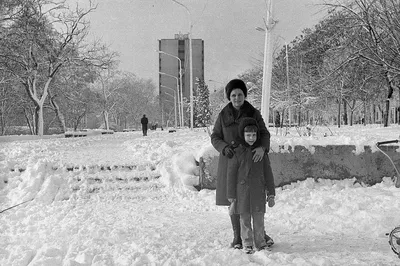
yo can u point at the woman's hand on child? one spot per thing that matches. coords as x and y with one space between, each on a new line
271 201
258 154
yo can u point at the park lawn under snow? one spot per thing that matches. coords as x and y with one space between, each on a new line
125 199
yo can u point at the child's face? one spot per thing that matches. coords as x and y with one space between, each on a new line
250 137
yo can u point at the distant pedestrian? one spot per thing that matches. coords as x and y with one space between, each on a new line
144 122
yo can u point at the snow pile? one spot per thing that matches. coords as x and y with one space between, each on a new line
37 182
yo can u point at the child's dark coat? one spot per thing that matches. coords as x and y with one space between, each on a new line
249 182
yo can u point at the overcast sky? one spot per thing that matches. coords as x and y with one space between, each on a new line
231 43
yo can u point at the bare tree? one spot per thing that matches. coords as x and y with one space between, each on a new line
378 40
40 39
7 103
137 97
107 85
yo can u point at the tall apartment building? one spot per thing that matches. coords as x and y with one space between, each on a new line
169 64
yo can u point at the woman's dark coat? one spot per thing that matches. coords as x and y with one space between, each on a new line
247 181
225 131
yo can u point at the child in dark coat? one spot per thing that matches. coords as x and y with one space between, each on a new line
250 186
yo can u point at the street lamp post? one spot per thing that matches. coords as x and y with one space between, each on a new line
180 109
168 75
267 73
176 118
167 101
190 62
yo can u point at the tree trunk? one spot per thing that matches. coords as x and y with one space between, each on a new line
30 87
59 114
78 121
373 114
386 113
106 124
391 88
299 117
398 109
29 122
339 113
352 109
2 125
39 119
3 119
365 112
351 117
345 118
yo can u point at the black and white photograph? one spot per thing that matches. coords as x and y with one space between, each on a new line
199 132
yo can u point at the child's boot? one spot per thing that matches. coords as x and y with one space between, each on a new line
248 249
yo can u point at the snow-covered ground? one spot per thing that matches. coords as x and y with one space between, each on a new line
125 199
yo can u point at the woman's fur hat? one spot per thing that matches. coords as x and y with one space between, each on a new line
235 84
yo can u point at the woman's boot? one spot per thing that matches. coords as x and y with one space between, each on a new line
237 240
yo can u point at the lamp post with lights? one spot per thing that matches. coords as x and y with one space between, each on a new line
267 68
180 108
175 103
168 75
190 61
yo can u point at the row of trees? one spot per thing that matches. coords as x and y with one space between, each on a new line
51 76
349 63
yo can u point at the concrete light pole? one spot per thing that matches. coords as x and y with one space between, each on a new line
162 95
267 73
168 75
180 109
190 62
174 96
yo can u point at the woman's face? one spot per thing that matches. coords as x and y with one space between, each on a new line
237 98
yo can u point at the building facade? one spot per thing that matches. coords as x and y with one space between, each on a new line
174 55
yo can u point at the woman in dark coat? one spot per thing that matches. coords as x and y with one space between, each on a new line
224 137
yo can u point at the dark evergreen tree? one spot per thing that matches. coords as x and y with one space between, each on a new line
201 110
